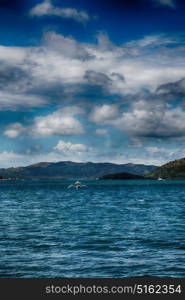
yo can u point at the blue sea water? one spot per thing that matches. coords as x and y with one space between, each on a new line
109 229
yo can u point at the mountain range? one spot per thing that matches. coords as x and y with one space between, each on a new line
74 170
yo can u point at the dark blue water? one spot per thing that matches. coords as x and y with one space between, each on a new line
110 229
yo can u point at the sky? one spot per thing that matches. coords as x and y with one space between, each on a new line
100 81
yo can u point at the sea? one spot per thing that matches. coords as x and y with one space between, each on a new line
130 228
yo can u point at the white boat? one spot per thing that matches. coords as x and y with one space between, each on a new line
160 178
77 185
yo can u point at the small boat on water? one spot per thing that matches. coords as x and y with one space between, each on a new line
77 185
160 178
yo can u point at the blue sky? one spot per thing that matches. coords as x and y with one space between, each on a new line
92 81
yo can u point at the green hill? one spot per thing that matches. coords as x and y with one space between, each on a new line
172 170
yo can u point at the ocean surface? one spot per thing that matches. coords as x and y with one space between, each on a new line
109 229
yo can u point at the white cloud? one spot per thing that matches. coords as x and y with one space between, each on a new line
66 60
152 120
14 130
166 153
104 113
19 101
72 110
101 131
67 147
10 159
66 151
161 150
65 46
59 123
13 55
46 8
14 159
104 43
150 42
63 65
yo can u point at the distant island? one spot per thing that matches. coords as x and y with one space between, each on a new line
73 170
121 176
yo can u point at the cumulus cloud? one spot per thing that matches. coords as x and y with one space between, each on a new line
157 150
104 43
57 123
152 120
11 76
62 68
13 55
65 46
46 8
118 76
60 123
101 131
62 151
176 88
67 147
104 113
97 78
14 130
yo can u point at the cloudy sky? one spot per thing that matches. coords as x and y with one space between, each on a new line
100 80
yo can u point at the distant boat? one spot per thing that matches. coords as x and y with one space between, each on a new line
77 185
160 178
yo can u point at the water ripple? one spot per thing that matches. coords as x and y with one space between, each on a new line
110 229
